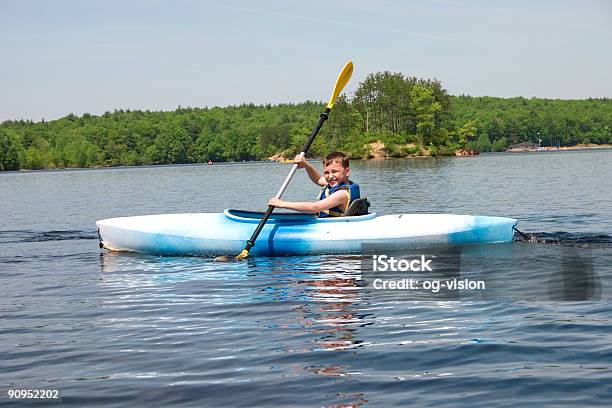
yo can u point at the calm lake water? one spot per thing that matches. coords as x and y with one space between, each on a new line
114 329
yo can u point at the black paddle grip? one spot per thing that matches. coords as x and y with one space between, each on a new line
324 116
251 242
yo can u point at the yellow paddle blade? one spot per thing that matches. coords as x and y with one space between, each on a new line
341 82
243 255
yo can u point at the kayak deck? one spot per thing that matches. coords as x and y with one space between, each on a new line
225 233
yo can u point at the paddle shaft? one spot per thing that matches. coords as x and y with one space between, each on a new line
251 242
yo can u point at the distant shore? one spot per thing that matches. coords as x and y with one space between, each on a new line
281 159
378 151
579 146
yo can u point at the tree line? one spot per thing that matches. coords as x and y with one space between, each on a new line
408 115
502 122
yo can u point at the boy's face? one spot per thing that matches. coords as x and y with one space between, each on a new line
335 174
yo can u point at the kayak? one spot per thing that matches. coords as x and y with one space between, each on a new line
211 234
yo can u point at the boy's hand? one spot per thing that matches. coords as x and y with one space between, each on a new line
276 202
300 160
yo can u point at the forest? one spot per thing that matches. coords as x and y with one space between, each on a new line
407 115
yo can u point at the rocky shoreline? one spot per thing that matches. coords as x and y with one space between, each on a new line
379 151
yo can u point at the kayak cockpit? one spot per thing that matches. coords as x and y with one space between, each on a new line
289 217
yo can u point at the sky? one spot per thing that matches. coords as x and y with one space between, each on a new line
60 57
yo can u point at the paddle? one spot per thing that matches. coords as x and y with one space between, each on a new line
342 80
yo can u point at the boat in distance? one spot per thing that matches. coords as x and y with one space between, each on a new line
212 234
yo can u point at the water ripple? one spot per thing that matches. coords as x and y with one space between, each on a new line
113 330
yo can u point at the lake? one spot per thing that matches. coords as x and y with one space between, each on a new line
117 329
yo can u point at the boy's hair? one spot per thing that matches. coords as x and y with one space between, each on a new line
337 157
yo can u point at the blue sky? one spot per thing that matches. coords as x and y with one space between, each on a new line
59 57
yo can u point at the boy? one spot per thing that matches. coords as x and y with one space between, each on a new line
338 191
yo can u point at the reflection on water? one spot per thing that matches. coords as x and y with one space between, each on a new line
330 293
312 316
325 294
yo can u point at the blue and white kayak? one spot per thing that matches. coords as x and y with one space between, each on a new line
211 234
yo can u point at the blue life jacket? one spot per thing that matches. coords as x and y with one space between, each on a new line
353 193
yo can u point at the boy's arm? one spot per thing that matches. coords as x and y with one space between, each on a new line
338 198
313 173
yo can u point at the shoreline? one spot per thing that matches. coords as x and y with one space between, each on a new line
377 152
281 159
579 146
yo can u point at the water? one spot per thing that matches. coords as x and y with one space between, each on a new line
127 330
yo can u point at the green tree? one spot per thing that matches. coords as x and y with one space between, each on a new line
426 108
34 159
466 132
173 145
499 145
483 144
9 153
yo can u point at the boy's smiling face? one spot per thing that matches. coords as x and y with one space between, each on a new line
335 174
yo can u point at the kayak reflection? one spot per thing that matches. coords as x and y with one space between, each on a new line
309 278
322 293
